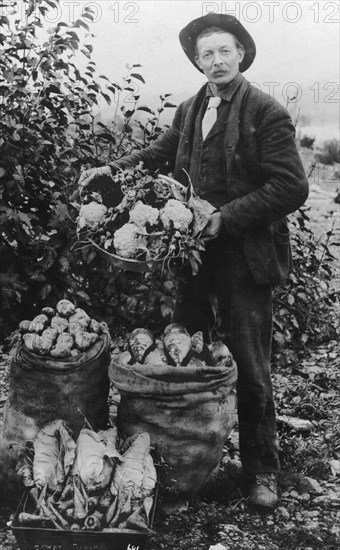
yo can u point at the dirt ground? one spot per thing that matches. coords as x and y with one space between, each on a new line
308 515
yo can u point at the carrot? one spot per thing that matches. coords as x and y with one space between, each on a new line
79 503
31 519
147 504
42 498
59 517
67 492
110 512
51 516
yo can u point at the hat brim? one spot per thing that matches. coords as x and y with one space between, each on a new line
229 23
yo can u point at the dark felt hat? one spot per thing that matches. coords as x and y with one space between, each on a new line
229 23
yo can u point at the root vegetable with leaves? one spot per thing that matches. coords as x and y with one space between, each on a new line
96 483
174 348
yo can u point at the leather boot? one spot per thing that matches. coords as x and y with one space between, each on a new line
263 493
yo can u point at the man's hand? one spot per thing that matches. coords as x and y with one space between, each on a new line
213 228
88 175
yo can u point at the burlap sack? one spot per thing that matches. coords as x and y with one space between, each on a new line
43 389
188 412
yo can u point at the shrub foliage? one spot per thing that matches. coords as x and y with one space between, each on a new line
48 133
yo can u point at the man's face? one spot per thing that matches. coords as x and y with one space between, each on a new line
218 57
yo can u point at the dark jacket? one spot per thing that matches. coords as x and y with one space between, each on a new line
264 174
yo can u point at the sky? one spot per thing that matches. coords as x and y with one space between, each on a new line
297 47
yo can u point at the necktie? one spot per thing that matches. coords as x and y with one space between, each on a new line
210 116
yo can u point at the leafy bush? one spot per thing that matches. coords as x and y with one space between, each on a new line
330 153
307 142
47 134
301 307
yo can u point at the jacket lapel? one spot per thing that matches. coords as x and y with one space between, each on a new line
187 137
190 119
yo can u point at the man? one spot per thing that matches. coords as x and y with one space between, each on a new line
237 144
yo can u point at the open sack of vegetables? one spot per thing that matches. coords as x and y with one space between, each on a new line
59 369
183 393
98 482
157 221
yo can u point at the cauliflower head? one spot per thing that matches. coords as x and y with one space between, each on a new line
91 215
178 213
126 240
142 213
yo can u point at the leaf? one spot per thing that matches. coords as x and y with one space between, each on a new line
107 98
59 215
107 136
87 148
24 218
80 23
138 77
168 104
146 109
45 291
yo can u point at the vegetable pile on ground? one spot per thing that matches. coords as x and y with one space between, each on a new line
174 348
98 482
62 332
157 219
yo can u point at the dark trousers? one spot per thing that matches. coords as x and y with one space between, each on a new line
245 310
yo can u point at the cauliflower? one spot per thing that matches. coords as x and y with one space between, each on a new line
143 213
178 213
91 215
126 240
